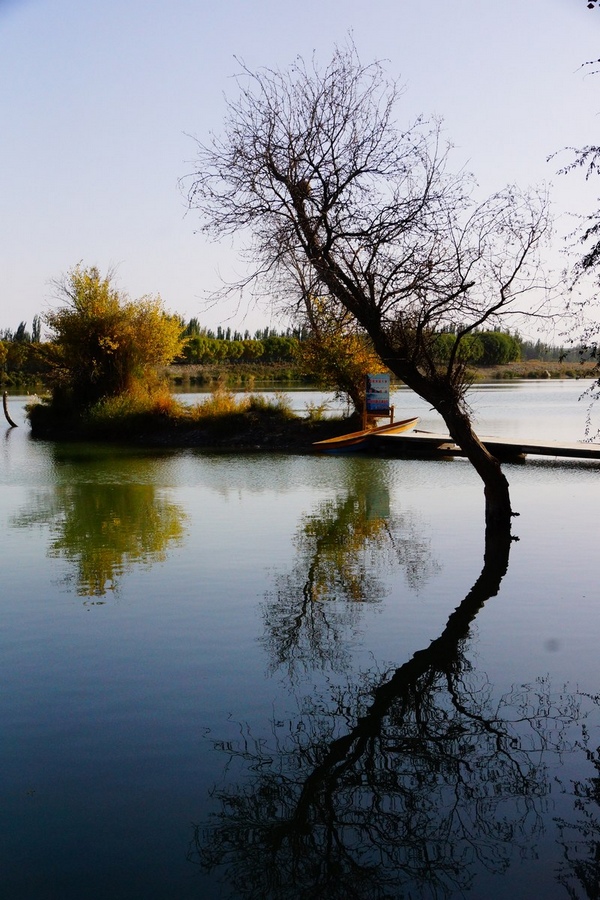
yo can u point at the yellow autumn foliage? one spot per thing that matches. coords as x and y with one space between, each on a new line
102 342
338 355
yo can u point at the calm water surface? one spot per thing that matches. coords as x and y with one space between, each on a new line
235 676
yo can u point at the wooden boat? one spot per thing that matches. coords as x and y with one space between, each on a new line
359 440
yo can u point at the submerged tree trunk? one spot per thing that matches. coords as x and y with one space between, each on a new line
6 413
498 510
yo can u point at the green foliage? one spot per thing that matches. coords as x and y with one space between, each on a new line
103 343
205 350
316 412
36 330
499 348
485 348
470 348
205 347
20 358
142 401
253 350
222 403
279 349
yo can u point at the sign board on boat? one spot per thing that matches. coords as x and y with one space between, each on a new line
378 394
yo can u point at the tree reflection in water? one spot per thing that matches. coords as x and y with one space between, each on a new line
342 548
580 838
400 784
104 528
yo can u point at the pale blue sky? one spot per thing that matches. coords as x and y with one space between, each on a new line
99 98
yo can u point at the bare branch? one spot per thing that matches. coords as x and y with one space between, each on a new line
315 170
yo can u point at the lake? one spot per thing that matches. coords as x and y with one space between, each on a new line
242 675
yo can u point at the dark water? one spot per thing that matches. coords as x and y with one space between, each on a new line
243 676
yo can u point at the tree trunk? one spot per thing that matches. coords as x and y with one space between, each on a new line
498 510
447 400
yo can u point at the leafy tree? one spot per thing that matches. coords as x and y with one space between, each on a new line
498 348
470 349
22 336
103 343
252 349
18 355
36 330
278 349
342 203
235 349
193 329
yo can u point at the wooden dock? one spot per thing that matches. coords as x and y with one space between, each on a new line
426 443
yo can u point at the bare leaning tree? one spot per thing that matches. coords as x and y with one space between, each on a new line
344 205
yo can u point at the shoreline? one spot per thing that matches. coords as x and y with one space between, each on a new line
236 376
278 376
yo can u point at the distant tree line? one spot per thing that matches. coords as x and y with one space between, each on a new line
205 346
493 348
19 352
22 357
484 348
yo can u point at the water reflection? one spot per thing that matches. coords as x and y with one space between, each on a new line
404 781
104 525
579 872
343 548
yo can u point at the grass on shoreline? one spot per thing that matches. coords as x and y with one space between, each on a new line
535 368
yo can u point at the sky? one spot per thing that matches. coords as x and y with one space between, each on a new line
101 100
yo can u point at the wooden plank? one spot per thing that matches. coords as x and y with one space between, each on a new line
442 444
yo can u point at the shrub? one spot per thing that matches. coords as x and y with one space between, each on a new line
220 403
280 405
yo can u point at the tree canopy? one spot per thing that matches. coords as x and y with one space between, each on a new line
343 203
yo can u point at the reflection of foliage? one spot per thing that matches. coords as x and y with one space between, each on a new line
398 786
581 839
340 548
104 529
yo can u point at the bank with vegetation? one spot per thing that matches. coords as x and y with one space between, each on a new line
104 366
112 368
226 358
